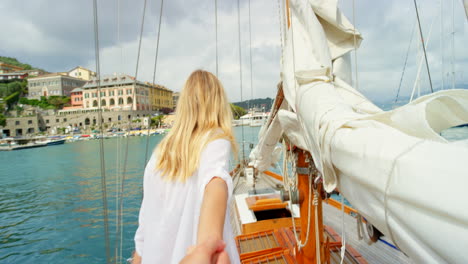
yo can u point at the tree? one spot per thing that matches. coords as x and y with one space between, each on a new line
237 111
155 121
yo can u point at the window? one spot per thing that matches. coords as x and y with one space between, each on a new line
64 120
57 120
103 102
17 122
120 92
103 94
95 103
121 101
29 122
129 100
47 121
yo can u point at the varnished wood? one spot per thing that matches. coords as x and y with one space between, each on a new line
348 210
269 224
274 175
307 255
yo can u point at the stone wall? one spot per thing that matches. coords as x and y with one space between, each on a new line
85 122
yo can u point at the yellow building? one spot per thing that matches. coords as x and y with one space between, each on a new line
121 92
82 73
6 68
160 97
175 99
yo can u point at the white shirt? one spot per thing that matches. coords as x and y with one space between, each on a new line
170 211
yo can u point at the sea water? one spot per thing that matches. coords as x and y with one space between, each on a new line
51 207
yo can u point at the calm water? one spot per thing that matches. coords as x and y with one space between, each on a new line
51 201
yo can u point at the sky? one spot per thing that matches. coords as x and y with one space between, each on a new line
58 35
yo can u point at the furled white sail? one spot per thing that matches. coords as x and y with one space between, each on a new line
465 3
392 166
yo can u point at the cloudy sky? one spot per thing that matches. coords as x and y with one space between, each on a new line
57 35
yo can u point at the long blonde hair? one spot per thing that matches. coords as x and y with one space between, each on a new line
203 114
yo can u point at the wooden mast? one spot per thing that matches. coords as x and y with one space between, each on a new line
307 254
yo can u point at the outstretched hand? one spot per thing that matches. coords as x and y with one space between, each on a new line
211 251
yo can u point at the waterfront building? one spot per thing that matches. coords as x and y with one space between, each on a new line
76 99
30 123
82 73
33 72
122 92
175 99
7 68
13 76
53 84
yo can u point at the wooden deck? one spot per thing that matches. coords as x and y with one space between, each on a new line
378 252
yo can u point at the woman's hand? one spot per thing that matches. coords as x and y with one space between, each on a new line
136 259
211 251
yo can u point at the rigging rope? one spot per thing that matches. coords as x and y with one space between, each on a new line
216 34
120 209
251 71
281 30
101 141
423 46
117 174
154 75
240 70
404 65
355 48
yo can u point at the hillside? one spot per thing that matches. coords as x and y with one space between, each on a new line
15 62
257 103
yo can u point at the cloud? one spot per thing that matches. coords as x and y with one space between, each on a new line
58 35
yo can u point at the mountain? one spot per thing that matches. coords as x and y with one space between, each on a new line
260 103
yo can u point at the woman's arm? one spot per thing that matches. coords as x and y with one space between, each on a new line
213 210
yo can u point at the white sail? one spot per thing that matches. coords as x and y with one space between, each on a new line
393 167
465 3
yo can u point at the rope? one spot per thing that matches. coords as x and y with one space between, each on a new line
154 76
101 141
281 29
387 185
355 48
117 174
124 171
240 70
423 46
317 231
404 65
216 34
343 234
251 68
301 244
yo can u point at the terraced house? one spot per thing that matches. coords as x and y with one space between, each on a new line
53 84
122 92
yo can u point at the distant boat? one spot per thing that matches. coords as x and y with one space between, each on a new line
52 142
252 119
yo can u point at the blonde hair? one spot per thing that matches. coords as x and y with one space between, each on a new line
203 114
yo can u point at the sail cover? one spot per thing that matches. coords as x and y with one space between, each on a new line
393 167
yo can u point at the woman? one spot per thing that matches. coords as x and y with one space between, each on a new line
187 186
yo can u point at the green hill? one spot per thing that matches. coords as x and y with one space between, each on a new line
256 103
15 62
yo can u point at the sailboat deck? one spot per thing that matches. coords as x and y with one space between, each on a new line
378 252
